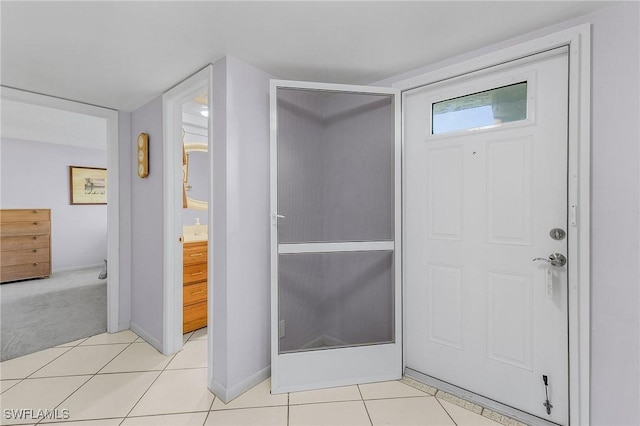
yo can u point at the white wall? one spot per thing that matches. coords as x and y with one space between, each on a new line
147 257
36 175
615 206
240 321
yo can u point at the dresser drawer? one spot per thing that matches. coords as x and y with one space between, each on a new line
20 257
194 317
194 273
20 272
35 227
24 242
194 253
193 293
22 215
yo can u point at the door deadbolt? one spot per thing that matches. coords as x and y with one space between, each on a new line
557 234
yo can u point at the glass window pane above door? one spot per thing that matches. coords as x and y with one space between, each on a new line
497 106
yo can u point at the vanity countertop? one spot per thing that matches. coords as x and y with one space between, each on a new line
190 235
192 238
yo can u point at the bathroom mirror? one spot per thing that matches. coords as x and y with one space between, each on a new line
195 176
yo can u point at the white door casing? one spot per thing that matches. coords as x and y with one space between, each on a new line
479 206
296 367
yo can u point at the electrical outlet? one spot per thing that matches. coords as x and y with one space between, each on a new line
281 329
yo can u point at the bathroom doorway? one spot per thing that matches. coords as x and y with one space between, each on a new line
187 187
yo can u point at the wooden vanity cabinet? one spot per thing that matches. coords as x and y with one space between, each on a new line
194 290
25 244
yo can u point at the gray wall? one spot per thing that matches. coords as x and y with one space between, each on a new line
36 175
615 206
147 226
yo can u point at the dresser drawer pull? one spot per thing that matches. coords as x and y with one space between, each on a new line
196 254
35 238
35 211
35 223
197 292
35 250
197 273
36 264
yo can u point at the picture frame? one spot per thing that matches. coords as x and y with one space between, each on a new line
87 185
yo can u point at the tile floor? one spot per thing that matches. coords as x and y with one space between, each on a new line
118 379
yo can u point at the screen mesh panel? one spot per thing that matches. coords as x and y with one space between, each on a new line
335 166
329 300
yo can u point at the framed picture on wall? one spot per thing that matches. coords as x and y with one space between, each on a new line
88 185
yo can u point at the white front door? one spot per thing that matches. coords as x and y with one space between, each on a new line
485 195
335 253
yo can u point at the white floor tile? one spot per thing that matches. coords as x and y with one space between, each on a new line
7 384
81 360
267 416
392 389
258 396
71 344
137 357
94 422
126 336
176 391
332 413
192 355
344 393
39 394
187 419
408 411
464 417
186 337
108 395
24 366
199 334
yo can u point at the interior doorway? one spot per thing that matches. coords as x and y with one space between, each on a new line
188 170
115 321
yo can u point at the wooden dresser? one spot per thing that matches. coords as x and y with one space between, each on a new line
25 244
194 291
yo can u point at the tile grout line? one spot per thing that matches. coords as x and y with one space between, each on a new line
68 349
288 406
214 396
365 404
152 383
86 381
445 410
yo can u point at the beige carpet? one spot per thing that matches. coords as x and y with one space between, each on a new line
42 313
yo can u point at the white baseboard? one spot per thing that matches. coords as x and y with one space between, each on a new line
229 394
146 336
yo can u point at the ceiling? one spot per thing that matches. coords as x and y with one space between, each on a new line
123 54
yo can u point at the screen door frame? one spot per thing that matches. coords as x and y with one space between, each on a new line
298 371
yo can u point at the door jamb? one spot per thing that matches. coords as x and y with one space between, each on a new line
113 206
578 40
172 101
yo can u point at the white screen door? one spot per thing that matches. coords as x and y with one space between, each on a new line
485 195
335 235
